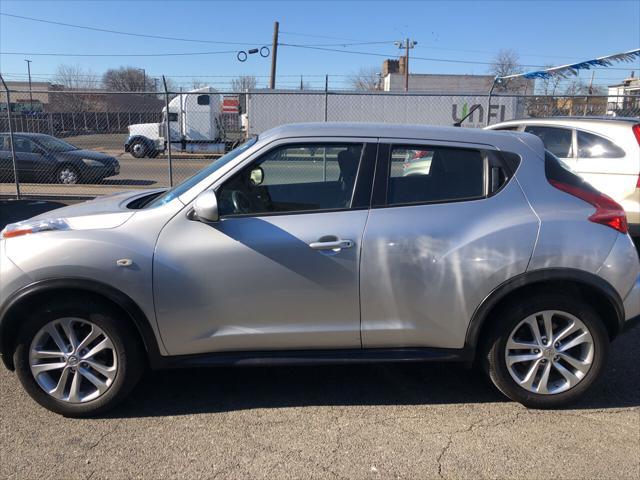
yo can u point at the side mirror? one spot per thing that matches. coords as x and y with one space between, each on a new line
205 206
257 176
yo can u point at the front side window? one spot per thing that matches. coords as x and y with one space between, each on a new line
594 146
53 144
434 174
294 178
557 140
24 145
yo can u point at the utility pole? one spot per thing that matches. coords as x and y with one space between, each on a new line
274 55
407 44
30 90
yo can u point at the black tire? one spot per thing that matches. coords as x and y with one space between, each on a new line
509 317
139 149
130 355
67 175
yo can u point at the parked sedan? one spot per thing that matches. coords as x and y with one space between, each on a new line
494 254
43 158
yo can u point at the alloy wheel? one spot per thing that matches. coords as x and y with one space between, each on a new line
73 360
67 176
549 352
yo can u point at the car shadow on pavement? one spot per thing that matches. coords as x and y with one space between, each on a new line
193 391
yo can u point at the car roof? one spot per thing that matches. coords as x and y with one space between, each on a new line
385 130
570 121
27 134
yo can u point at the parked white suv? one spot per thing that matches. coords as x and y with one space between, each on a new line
605 151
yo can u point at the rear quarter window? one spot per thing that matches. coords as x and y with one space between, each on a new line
591 145
557 172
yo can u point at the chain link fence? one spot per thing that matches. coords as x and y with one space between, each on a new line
85 144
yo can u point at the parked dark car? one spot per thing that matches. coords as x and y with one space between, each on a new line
43 158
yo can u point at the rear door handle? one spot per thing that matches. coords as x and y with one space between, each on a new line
333 245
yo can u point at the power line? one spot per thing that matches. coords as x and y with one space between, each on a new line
178 54
119 32
470 62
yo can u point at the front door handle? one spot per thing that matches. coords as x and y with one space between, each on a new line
332 245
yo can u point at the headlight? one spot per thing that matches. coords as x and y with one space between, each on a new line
92 163
33 226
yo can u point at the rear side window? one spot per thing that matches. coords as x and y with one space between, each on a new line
557 140
435 174
557 172
595 146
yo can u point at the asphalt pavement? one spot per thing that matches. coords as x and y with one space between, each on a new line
348 422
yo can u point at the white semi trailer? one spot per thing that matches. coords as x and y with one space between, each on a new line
195 126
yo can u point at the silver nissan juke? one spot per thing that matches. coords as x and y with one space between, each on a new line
311 244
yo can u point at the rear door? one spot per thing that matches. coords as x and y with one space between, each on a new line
558 140
605 164
441 234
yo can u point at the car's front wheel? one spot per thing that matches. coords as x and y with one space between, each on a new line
547 351
139 149
78 359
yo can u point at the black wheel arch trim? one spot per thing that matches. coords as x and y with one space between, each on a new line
481 314
122 300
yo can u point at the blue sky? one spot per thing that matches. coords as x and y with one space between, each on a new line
542 32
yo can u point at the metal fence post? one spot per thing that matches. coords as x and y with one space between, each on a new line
168 131
13 148
326 96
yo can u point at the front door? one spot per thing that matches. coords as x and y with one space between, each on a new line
280 269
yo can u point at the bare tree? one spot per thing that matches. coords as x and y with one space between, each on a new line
505 63
196 84
366 78
74 77
67 79
128 79
244 83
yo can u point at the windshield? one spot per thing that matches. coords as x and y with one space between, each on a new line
202 174
52 144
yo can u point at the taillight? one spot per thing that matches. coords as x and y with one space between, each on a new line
636 131
608 211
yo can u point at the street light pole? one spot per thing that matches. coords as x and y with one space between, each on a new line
30 90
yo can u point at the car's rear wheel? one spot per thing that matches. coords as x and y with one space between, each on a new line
78 359
67 175
546 352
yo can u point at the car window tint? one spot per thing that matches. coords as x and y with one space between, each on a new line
301 177
23 145
594 146
440 174
557 140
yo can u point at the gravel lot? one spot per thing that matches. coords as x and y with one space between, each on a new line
377 421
